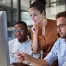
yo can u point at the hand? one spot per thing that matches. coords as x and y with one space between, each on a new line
20 57
23 57
34 29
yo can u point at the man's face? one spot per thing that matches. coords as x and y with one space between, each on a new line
61 27
21 32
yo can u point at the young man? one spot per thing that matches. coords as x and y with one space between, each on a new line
59 49
21 43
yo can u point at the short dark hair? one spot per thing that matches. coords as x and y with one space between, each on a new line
61 14
40 5
21 22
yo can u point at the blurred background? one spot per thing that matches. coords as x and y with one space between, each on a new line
19 10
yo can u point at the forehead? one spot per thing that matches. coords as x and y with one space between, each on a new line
61 20
33 10
19 26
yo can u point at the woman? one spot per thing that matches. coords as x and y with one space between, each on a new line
43 32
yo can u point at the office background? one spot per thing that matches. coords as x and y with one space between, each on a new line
19 10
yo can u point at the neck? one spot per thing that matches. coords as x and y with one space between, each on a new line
23 40
44 22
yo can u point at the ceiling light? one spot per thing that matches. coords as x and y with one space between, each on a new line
3 1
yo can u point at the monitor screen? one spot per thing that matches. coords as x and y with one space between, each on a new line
4 53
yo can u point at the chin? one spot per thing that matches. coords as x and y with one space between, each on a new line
63 37
20 39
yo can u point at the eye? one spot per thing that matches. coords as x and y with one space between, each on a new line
34 15
21 30
16 31
61 25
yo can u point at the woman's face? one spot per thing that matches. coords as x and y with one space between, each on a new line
36 15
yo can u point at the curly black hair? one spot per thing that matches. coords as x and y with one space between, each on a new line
21 22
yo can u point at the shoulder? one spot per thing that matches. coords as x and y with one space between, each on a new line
50 21
64 64
12 41
57 43
60 40
29 40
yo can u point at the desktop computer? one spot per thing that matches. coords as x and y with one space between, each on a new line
4 53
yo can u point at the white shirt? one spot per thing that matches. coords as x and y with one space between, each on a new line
64 63
16 46
57 52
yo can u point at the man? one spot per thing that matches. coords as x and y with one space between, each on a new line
21 43
59 49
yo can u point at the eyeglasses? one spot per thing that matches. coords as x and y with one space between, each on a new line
61 25
21 30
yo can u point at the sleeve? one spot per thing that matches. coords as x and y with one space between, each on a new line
53 54
11 59
9 45
36 55
42 42
64 64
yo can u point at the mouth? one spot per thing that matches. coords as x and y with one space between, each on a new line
19 37
34 21
60 34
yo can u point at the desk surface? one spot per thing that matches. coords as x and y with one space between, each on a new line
21 64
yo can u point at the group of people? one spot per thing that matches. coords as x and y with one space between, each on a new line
45 35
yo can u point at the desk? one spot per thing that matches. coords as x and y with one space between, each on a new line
20 64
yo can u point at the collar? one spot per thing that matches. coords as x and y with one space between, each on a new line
26 41
63 40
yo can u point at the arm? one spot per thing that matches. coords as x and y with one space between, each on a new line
42 42
39 62
34 35
35 44
34 61
38 40
53 54
48 60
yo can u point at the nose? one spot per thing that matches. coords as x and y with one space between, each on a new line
18 33
58 29
33 18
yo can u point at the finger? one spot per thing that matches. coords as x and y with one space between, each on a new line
20 58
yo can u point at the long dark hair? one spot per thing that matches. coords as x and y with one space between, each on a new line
40 5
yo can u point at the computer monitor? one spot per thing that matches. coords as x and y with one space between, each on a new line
4 53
